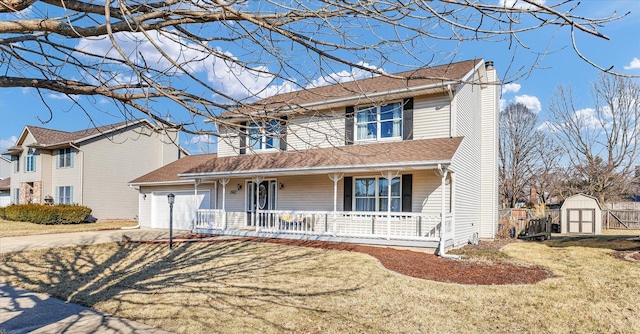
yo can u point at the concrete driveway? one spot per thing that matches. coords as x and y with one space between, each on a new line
23 311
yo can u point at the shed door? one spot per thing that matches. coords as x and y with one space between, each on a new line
581 220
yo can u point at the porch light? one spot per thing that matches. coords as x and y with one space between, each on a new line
172 198
239 186
281 185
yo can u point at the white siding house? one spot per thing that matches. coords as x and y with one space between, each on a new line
318 163
89 167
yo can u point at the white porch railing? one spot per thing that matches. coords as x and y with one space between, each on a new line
354 224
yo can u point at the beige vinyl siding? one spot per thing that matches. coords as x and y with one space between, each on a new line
426 195
110 163
66 176
489 156
321 129
466 163
144 207
47 163
431 117
228 142
309 193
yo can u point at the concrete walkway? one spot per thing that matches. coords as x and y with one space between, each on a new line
42 241
23 311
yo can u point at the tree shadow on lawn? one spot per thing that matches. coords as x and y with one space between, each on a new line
614 242
240 279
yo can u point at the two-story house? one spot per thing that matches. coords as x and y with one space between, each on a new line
405 159
89 167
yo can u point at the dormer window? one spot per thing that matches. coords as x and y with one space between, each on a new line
264 135
379 122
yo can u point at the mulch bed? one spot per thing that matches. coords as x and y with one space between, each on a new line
417 264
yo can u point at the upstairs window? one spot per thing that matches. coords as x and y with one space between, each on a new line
16 163
379 122
264 135
30 162
65 157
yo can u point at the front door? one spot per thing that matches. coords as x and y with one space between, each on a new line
265 200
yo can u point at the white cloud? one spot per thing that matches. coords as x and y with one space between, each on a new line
634 64
344 76
201 144
511 88
520 4
503 104
60 96
530 102
586 118
6 143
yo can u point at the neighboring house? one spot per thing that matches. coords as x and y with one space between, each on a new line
317 164
5 195
5 168
90 167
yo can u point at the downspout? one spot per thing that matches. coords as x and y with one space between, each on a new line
451 111
443 215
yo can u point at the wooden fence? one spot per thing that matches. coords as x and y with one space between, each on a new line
621 219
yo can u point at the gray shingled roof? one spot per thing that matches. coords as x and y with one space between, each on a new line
404 154
453 72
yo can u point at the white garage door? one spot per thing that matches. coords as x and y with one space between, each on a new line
184 209
5 200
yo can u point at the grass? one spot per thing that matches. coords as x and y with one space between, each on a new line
262 287
14 229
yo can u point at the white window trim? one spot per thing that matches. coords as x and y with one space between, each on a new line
377 196
378 137
264 134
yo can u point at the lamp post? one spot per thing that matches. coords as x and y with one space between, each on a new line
172 198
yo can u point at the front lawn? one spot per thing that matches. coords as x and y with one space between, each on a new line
263 287
14 229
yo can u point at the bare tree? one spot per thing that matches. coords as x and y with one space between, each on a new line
518 142
150 57
548 175
602 141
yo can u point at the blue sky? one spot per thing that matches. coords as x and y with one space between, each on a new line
561 66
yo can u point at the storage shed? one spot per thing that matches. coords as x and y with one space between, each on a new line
581 214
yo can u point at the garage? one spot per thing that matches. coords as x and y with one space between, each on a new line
184 208
581 214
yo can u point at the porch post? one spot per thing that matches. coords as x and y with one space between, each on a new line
389 176
335 177
443 217
224 183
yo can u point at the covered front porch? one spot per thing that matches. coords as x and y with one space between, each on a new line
412 207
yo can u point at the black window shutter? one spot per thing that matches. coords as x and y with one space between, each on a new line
243 138
283 133
348 194
407 119
407 190
348 126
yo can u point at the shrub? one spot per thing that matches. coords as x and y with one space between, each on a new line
46 214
